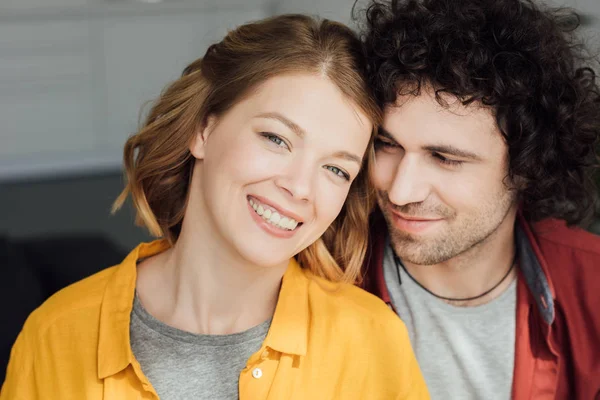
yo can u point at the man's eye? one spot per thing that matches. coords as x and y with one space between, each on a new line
384 144
338 172
447 161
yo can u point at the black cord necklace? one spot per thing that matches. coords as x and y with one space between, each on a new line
400 264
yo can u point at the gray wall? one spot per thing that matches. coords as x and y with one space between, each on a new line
82 203
66 206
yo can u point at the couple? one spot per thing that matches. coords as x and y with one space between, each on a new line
476 125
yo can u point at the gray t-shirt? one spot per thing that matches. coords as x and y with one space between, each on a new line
182 365
464 352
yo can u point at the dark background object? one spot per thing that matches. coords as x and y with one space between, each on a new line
33 269
68 205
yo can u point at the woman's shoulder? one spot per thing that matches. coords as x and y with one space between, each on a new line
83 300
72 302
350 303
60 337
363 324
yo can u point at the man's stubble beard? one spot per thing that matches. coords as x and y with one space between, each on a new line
457 236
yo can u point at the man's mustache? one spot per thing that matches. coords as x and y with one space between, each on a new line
416 210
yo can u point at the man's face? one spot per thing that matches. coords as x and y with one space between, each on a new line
441 178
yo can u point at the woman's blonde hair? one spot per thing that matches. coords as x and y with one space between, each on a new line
158 162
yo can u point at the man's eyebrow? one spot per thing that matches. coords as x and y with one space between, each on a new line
286 121
453 151
442 148
382 132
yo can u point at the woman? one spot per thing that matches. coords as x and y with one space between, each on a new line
249 166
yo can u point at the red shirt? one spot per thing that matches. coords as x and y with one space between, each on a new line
557 338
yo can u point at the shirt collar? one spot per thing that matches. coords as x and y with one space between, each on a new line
534 267
288 332
289 329
114 349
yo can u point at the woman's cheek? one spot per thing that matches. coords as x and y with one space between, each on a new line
330 199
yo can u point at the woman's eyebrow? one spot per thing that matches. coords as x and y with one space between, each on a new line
348 156
294 127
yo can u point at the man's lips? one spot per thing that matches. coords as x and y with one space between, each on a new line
411 224
415 219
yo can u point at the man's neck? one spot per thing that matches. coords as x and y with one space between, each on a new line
473 272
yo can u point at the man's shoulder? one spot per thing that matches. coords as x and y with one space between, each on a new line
571 256
555 235
572 259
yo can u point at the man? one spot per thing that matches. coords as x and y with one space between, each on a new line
483 167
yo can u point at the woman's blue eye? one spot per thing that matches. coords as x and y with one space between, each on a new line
338 172
275 139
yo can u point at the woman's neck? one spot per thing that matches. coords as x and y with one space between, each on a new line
200 285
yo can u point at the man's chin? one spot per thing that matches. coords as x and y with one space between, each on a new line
420 249
421 258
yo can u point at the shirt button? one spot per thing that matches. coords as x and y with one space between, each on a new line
257 373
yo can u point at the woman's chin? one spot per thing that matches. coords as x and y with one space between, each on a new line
265 256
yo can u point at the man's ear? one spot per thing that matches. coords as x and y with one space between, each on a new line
198 143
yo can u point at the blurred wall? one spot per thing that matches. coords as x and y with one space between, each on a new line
73 77
79 204
74 74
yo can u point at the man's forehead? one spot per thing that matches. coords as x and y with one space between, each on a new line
440 101
426 115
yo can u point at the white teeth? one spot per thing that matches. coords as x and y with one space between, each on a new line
284 222
275 218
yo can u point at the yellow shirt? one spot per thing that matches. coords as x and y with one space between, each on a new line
326 341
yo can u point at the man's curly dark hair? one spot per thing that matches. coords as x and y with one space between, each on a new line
522 60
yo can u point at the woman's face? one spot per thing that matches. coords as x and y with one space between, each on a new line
274 171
